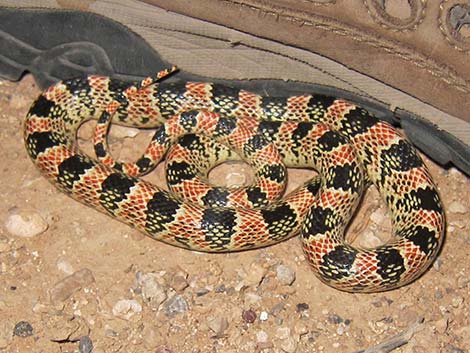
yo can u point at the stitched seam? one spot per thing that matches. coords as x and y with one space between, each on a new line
326 24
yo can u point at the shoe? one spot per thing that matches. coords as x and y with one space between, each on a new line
133 39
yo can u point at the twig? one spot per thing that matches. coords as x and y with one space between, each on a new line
396 341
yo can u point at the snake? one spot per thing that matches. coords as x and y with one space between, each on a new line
348 146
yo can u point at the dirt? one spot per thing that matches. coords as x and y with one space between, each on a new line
89 283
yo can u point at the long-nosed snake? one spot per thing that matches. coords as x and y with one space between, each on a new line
337 138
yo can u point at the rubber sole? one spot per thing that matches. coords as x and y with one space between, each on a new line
54 44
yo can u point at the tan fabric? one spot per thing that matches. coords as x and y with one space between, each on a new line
423 54
217 51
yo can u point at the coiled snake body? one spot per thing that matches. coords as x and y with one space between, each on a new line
340 140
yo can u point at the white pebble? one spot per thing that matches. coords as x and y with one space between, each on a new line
125 309
457 207
64 266
263 316
261 337
25 223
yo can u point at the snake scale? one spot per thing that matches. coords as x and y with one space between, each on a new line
346 145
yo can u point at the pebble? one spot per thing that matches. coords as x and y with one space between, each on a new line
457 302
249 316
301 307
457 207
334 319
64 266
63 289
285 275
341 329
261 337
263 316
25 223
176 305
85 345
126 308
23 329
217 324
179 282
152 291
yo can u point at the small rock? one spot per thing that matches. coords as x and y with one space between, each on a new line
285 275
202 292
249 316
261 337
218 325
179 282
64 266
220 288
437 264
176 305
25 223
463 282
457 301
23 329
263 316
301 307
457 207
85 345
334 319
63 289
126 308
276 309
152 291
341 329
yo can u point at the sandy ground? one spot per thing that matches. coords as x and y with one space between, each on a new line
89 283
